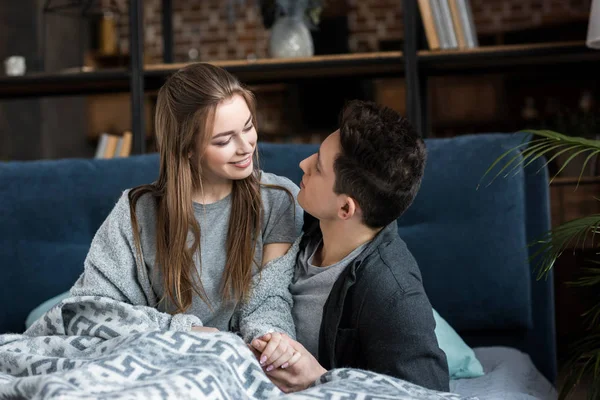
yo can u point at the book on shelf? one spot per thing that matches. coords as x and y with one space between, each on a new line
118 147
125 148
101 147
448 24
433 40
459 26
111 146
440 26
469 23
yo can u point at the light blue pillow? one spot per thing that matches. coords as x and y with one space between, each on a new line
462 362
43 308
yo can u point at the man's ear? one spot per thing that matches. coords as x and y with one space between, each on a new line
348 209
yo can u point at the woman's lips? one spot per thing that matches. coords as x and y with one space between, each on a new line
242 163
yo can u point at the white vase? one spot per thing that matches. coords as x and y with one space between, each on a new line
290 37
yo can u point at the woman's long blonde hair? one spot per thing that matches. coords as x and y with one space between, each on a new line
185 113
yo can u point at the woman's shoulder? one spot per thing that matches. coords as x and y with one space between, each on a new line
277 192
146 200
122 203
270 179
145 206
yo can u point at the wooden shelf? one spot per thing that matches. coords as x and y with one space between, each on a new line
251 72
64 84
509 57
359 65
276 69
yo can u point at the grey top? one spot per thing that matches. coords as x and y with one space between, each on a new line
310 289
111 270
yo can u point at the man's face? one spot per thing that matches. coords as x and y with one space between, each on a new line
316 189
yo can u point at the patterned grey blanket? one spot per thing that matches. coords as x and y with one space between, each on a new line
86 348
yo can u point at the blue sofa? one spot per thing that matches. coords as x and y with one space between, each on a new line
471 244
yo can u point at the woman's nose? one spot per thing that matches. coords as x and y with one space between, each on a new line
246 145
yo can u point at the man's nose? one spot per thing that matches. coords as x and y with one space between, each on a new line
304 165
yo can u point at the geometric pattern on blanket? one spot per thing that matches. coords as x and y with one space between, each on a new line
104 362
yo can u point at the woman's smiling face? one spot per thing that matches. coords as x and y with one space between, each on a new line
230 149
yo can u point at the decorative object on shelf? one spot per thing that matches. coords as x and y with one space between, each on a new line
107 40
290 38
529 111
14 66
290 34
193 54
593 35
580 233
107 10
270 10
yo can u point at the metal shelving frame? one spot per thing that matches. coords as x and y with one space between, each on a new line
415 65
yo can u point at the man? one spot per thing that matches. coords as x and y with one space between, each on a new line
358 296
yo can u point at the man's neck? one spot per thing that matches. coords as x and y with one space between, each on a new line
341 238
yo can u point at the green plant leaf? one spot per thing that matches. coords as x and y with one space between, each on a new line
585 363
571 234
547 142
580 232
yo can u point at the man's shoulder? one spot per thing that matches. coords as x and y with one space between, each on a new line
392 267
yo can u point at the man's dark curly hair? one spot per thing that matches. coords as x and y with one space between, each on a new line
381 161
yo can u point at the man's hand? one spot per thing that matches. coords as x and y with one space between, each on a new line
204 329
294 377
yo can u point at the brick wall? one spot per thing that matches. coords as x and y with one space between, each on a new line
371 21
499 16
219 32
209 27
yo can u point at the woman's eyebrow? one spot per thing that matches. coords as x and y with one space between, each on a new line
218 135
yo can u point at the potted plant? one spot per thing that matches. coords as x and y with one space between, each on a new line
580 232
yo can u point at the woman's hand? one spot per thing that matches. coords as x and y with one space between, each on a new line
295 377
276 351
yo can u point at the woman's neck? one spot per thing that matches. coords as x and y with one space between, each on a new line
212 192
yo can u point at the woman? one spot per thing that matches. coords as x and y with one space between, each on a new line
188 245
